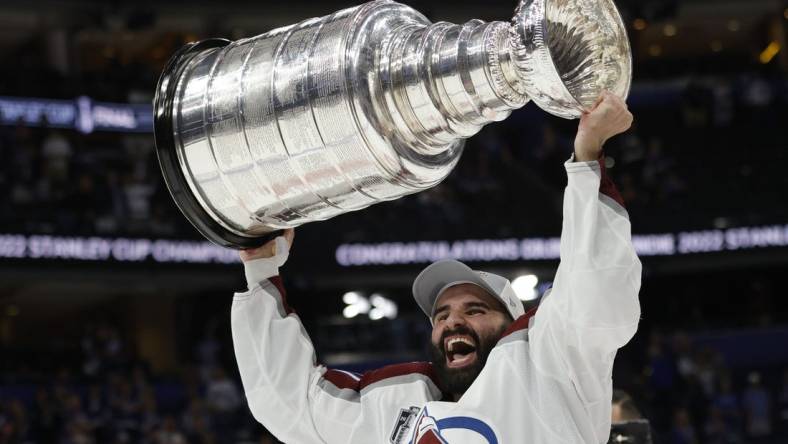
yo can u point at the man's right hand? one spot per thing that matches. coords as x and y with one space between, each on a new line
608 117
268 249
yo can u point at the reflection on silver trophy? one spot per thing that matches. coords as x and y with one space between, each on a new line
368 104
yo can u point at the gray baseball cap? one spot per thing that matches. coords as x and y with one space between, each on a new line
441 275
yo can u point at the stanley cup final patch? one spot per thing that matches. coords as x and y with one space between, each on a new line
403 425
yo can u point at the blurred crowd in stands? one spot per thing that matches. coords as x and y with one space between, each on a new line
65 183
692 395
110 396
713 153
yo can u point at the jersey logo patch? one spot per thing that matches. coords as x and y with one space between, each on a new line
428 430
403 425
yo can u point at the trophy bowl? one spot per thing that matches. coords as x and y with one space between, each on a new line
573 50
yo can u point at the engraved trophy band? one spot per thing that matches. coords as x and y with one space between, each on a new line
368 104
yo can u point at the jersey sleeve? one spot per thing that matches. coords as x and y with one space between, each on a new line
593 308
293 397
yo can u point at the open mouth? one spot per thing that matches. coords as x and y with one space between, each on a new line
460 351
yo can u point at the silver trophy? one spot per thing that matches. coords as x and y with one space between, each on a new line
365 105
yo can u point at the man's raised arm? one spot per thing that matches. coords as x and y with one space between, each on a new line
593 308
286 391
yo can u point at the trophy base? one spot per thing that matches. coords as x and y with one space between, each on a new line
168 158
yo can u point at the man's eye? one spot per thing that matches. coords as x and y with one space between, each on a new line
475 311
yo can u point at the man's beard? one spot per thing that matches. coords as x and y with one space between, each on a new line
457 380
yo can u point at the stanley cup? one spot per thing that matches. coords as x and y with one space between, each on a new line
365 105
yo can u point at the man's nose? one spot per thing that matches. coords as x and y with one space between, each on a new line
455 319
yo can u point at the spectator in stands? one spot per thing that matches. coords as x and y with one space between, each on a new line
139 381
91 356
149 415
757 408
782 405
628 424
56 152
13 422
683 432
662 376
717 430
222 393
684 355
46 421
138 192
224 399
624 408
22 169
96 409
125 407
726 401
77 422
196 417
207 350
169 433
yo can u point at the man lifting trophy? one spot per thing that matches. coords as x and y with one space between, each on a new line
365 105
333 114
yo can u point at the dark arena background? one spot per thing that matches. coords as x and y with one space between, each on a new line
114 312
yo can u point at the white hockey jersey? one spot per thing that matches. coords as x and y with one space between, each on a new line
547 381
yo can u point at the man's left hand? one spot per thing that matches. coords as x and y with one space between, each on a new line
608 117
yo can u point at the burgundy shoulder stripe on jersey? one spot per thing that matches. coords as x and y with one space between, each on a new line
279 284
342 380
392 371
520 324
606 185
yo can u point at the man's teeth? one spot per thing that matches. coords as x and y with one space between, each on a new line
450 344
